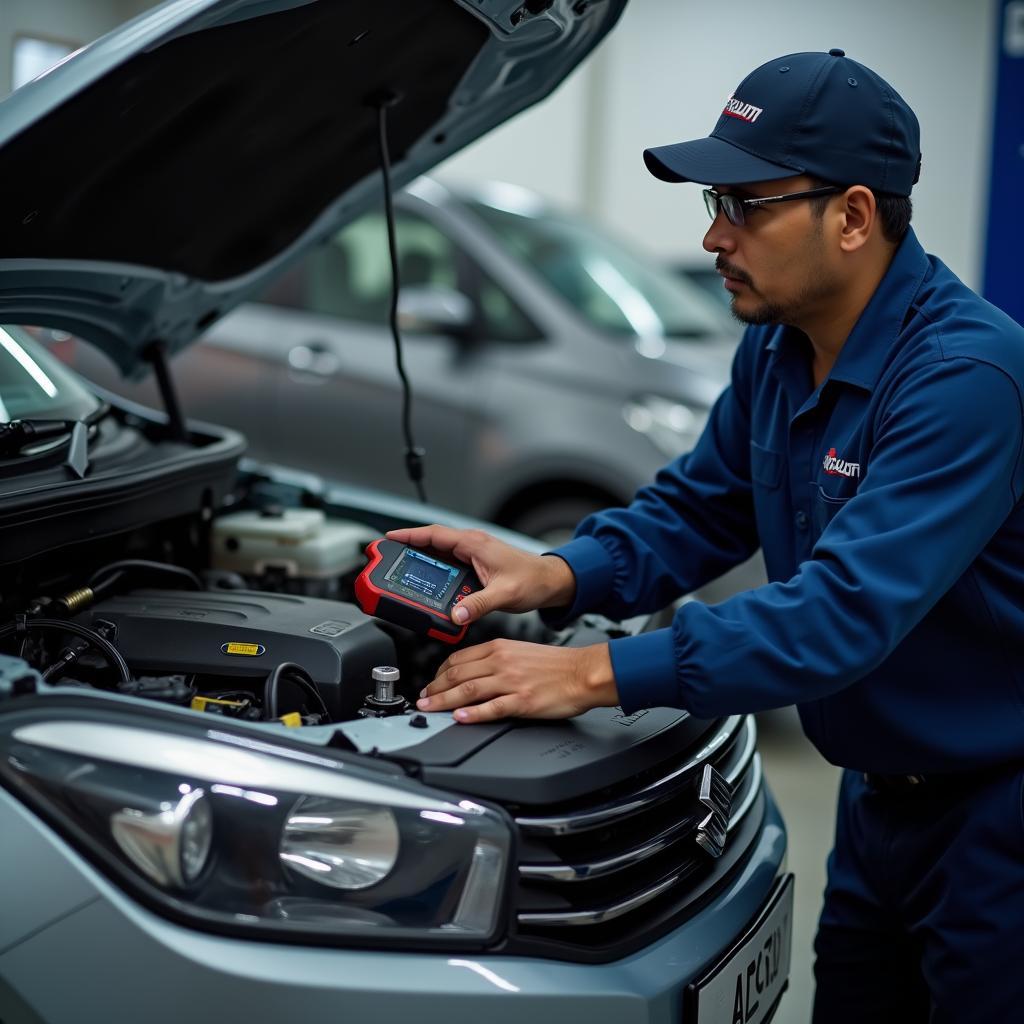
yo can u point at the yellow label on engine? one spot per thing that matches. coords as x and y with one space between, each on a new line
200 703
292 719
249 650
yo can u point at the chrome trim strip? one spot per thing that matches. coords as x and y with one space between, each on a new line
748 752
607 914
582 872
756 777
589 917
595 869
650 794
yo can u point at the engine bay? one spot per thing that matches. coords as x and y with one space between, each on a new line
194 582
249 615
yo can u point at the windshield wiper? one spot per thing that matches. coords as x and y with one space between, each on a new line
17 435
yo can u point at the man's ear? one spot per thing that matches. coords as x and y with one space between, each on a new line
859 217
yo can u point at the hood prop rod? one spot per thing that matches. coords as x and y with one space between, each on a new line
156 355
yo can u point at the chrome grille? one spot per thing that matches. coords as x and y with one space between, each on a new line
597 864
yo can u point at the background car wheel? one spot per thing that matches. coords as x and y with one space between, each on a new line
554 521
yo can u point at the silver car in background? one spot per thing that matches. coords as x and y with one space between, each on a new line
554 370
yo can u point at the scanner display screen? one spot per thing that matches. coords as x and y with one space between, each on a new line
422 578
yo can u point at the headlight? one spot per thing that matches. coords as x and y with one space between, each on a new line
236 832
672 427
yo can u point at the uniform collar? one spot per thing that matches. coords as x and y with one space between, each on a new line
863 354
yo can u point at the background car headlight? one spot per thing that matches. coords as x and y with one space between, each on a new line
672 427
239 832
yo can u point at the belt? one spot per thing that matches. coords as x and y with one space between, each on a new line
899 783
935 782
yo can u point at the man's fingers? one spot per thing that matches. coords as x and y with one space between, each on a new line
475 606
469 691
464 544
443 538
505 706
472 664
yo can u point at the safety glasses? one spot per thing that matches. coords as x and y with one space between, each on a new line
734 207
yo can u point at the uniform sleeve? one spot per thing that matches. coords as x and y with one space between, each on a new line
943 475
692 524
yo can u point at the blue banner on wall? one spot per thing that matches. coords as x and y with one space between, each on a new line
1004 267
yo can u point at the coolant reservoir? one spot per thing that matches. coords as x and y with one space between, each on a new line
295 549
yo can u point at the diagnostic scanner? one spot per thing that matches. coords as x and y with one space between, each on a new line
414 588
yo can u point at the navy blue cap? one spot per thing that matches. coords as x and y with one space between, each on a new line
808 113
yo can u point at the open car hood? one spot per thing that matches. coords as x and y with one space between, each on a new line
163 174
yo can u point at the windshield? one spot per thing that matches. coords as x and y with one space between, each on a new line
34 385
616 290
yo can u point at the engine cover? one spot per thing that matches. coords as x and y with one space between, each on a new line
245 633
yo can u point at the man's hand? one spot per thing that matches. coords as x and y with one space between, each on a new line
514 580
510 678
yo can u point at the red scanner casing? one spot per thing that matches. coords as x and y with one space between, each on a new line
376 595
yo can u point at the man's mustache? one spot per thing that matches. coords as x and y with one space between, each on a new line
725 267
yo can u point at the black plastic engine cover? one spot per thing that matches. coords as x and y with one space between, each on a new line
244 634
541 763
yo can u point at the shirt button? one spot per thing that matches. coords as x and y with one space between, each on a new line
801 520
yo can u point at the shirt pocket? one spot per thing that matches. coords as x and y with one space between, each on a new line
765 466
824 508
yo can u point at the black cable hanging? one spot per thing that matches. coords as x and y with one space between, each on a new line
413 455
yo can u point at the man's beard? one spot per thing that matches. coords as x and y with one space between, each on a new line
766 313
769 312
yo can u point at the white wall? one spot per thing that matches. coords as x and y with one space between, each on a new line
670 64
68 21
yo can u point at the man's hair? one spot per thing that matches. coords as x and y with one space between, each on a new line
894 212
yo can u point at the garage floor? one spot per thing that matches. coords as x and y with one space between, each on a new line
805 787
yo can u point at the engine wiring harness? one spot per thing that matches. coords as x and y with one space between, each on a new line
48 617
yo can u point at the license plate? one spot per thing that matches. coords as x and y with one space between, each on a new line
745 986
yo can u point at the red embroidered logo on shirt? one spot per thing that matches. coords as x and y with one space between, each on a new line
834 466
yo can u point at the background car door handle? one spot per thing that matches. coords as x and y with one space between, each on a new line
313 358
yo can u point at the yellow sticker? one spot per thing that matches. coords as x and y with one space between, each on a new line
200 703
249 650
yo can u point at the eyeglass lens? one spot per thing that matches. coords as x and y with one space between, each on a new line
729 203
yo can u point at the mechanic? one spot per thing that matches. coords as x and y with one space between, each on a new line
870 442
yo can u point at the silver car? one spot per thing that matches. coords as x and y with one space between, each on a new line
203 815
553 369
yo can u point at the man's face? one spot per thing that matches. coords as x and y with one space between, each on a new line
778 264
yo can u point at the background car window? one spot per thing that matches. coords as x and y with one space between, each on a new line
350 276
617 290
501 318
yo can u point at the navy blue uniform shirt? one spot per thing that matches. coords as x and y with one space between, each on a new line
887 505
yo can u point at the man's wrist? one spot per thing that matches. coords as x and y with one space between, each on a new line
599 677
559 587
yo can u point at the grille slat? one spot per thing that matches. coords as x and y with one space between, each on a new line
649 796
644 860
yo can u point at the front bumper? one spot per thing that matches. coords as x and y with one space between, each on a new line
75 950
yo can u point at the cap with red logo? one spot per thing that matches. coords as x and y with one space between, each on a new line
807 113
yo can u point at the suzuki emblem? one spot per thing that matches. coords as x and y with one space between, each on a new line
716 796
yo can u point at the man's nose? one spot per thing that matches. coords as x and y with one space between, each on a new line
720 237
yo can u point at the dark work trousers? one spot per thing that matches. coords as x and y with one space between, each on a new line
924 908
